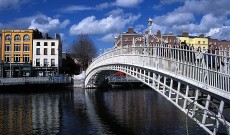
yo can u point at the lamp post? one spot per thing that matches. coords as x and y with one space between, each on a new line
150 22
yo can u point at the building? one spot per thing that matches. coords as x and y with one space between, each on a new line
47 56
17 51
0 55
129 38
224 44
162 39
68 65
132 38
195 41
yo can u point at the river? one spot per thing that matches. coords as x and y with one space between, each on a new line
75 111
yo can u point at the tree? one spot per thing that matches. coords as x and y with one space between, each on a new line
84 50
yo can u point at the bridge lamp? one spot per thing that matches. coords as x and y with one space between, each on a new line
150 22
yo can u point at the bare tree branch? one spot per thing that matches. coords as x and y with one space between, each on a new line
84 49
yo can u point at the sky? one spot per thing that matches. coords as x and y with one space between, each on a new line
101 20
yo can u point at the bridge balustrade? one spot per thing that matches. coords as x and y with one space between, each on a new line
211 70
204 77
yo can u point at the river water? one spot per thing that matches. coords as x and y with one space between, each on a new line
75 111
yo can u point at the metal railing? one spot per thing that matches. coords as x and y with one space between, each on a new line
211 69
35 80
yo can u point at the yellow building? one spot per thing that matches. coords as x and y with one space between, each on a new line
195 41
17 52
200 42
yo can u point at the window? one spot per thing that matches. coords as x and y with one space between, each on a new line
26 58
26 38
17 48
52 51
198 42
7 48
45 51
37 62
17 58
45 44
52 43
26 48
38 44
203 42
38 51
45 62
52 62
17 38
8 38
7 58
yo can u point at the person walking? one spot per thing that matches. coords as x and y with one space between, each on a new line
199 56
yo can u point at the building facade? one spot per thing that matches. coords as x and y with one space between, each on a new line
16 53
195 41
47 56
0 55
129 38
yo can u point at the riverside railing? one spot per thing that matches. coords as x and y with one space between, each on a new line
36 80
211 69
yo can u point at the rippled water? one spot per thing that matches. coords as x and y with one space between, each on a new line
78 111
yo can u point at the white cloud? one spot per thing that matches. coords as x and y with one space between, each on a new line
46 24
108 37
74 8
110 24
127 3
103 6
219 33
196 17
115 12
11 4
119 3
172 19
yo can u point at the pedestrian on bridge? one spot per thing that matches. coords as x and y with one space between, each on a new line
199 56
211 58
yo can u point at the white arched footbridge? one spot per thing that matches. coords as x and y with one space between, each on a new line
196 87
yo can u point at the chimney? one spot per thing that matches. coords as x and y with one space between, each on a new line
46 35
130 30
185 34
158 33
201 35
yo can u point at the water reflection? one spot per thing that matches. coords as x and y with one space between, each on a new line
79 111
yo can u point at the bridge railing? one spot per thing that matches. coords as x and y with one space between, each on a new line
35 80
211 68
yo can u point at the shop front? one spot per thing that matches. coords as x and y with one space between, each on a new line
16 70
44 71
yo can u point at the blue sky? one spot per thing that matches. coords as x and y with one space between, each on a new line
102 19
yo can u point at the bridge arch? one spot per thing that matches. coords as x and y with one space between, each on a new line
160 72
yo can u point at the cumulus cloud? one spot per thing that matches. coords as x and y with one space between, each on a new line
172 18
202 16
46 24
219 33
11 4
110 24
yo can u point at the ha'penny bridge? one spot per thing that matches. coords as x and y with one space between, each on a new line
200 89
